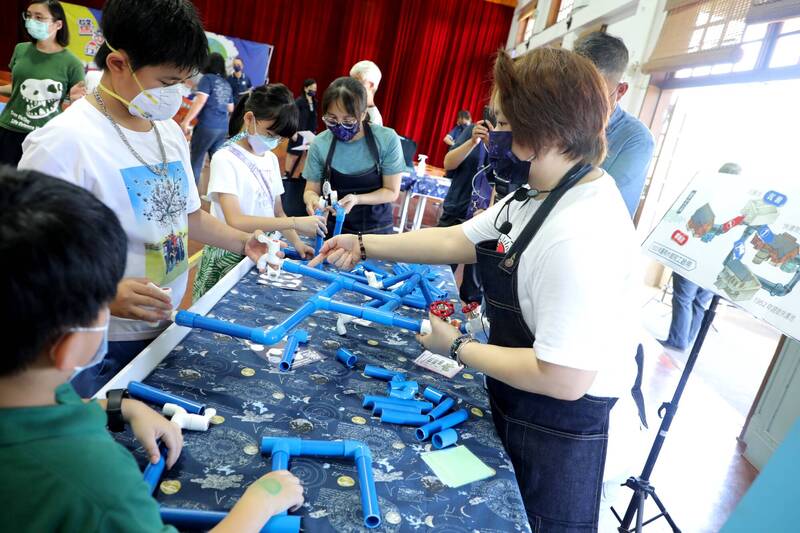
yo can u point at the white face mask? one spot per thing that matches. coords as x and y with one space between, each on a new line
262 144
160 103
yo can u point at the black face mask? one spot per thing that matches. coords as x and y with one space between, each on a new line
312 94
508 173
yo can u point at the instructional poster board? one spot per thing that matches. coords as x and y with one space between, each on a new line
86 38
738 236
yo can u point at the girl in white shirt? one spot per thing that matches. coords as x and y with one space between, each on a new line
245 185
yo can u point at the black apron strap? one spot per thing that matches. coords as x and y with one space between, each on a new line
326 174
575 174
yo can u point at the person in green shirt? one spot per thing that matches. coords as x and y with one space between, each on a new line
61 470
43 75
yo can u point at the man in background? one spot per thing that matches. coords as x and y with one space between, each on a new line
463 120
630 143
369 75
239 81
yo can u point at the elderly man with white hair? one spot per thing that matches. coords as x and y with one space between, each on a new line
369 75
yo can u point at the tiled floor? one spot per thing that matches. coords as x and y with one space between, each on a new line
700 475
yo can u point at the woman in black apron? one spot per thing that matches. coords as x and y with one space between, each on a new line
366 195
555 432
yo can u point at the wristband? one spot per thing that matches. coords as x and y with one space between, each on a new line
116 423
361 246
457 344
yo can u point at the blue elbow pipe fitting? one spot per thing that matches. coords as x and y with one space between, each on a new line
444 438
379 372
196 519
440 410
346 357
433 395
152 395
371 401
404 418
436 426
350 449
298 337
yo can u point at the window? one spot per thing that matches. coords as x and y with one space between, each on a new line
787 46
565 10
527 33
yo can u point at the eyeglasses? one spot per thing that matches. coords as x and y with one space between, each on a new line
331 122
27 16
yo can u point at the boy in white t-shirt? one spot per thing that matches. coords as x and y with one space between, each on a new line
121 144
246 185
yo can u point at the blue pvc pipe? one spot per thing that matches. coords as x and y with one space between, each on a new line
276 333
444 438
436 426
290 253
319 238
152 395
350 449
440 410
340 214
347 282
193 320
393 280
426 291
433 395
375 371
195 519
290 349
153 472
379 406
403 418
346 357
383 318
370 401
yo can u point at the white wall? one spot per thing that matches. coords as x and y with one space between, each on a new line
637 22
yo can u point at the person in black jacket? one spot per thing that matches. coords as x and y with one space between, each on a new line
307 105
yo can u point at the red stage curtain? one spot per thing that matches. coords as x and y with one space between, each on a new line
435 55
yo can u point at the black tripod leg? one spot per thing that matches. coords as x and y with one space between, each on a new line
665 514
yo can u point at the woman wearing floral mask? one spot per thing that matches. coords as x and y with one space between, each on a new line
43 75
360 161
245 185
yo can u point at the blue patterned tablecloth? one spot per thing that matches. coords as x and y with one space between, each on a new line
323 401
427 185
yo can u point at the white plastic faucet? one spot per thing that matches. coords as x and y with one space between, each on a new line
186 420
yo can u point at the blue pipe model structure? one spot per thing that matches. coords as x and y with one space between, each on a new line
152 395
299 336
451 420
283 449
196 519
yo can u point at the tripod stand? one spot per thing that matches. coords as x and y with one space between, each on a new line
641 485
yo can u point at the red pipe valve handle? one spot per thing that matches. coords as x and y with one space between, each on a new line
470 310
443 309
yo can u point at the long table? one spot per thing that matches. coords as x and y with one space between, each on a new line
320 401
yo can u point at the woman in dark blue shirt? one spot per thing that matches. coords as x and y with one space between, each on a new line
213 102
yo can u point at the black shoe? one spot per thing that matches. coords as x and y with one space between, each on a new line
669 346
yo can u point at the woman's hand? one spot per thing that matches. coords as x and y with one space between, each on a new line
349 202
311 225
305 251
149 427
138 299
481 132
341 251
441 336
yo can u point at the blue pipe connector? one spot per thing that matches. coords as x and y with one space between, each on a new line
152 395
433 395
444 438
346 357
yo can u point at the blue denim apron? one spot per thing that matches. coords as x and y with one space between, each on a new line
362 218
557 447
